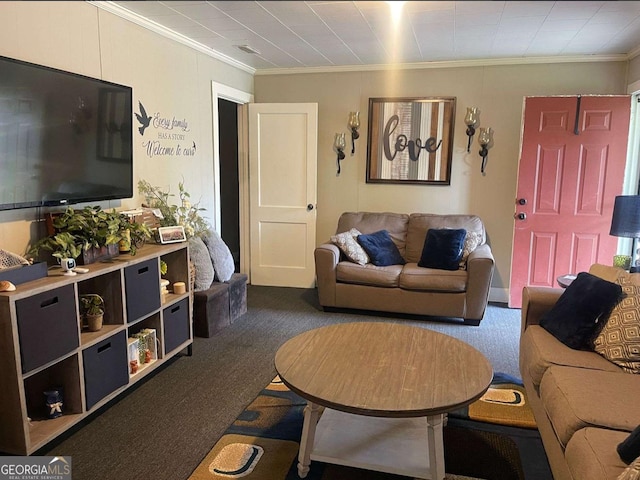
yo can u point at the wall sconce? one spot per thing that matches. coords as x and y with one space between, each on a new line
485 139
339 144
471 120
354 124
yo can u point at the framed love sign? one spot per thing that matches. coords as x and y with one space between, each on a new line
410 140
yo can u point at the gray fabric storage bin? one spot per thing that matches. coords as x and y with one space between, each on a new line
176 324
50 315
142 287
106 367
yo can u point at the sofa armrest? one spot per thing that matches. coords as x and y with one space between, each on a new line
536 301
480 265
327 257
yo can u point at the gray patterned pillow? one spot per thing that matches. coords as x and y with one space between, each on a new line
346 242
220 255
199 255
471 242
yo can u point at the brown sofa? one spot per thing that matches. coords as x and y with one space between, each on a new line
406 288
584 405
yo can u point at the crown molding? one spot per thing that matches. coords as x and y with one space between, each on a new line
161 30
165 32
487 62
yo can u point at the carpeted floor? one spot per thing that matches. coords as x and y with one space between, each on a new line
165 425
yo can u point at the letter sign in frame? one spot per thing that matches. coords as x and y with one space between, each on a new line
410 140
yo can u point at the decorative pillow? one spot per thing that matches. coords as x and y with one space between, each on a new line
199 255
619 339
629 448
574 318
381 249
471 242
220 256
632 472
346 242
442 248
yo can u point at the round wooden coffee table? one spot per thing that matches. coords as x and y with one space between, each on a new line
386 387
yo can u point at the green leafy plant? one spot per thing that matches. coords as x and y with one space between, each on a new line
91 304
78 230
62 245
185 214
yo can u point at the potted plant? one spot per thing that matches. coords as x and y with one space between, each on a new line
92 234
63 245
92 310
132 235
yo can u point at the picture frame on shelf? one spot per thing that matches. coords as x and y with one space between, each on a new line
171 234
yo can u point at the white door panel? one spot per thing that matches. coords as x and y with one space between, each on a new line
282 177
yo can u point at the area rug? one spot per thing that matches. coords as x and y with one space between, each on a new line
263 442
504 403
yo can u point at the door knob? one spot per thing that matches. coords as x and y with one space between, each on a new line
522 201
521 216
309 207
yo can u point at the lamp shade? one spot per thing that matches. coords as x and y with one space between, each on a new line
626 216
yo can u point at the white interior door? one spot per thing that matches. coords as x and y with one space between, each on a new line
283 149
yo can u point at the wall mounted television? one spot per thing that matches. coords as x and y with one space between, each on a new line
64 138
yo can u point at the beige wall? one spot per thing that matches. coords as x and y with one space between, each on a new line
167 77
173 79
498 92
634 70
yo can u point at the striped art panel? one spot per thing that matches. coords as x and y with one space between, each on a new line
410 140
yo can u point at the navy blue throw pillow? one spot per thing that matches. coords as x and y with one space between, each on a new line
381 249
574 319
443 248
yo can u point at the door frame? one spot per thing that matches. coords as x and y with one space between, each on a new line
221 91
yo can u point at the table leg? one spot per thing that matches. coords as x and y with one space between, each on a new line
436 446
311 416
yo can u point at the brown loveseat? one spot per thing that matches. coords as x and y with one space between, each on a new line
406 288
584 404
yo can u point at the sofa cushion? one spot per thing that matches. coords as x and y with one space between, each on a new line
369 274
414 277
346 241
590 454
539 350
381 249
369 222
420 223
443 248
574 317
575 398
619 339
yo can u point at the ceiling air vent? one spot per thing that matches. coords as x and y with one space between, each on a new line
248 49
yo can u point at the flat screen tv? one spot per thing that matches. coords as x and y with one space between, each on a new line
64 138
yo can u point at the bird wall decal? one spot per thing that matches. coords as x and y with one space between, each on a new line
143 118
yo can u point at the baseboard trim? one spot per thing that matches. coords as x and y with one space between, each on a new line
500 295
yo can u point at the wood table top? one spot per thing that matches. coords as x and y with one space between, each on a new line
383 369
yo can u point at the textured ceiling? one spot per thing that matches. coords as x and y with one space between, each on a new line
299 34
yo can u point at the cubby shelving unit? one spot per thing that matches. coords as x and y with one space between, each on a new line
44 345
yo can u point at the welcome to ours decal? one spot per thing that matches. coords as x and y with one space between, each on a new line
167 137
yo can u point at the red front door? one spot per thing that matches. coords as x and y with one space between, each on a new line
571 169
